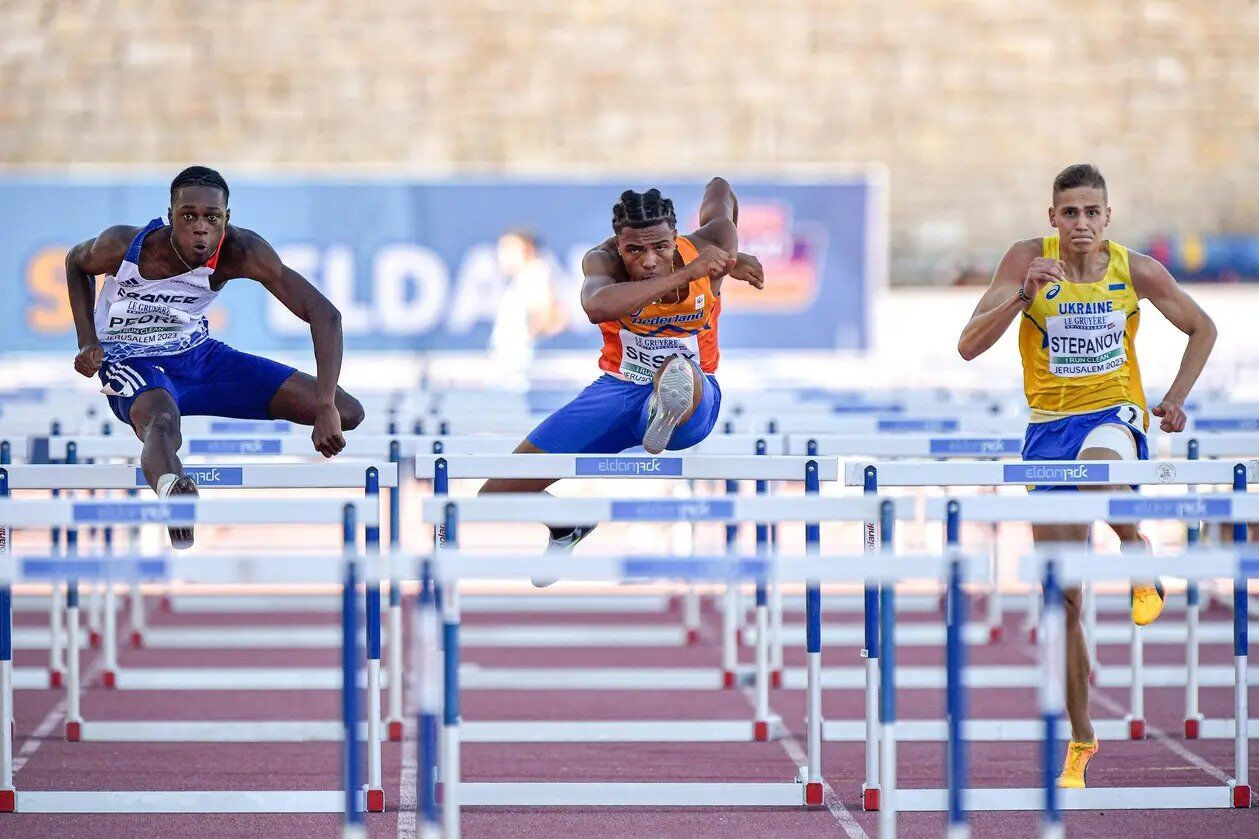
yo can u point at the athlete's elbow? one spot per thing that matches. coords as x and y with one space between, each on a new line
596 313
967 349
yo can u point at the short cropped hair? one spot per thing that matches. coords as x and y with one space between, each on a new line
199 176
1077 175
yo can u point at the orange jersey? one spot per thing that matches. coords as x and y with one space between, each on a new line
635 346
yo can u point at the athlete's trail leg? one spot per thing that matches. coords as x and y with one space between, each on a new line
297 401
155 418
1078 665
518 484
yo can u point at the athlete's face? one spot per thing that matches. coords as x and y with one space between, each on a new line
198 216
1081 216
647 251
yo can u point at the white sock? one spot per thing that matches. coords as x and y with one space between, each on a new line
164 484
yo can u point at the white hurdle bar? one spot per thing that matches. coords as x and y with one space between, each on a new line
441 469
451 512
450 568
325 569
371 476
1060 568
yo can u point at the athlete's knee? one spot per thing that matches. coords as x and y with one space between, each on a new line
163 422
351 411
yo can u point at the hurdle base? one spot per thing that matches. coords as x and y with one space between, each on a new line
692 636
394 728
8 801
813 794
109 679
74 731
767 729
1241 796
869 798
375 801
94 639
1193 728
995 634
776 678
1136 729
54 678
137 639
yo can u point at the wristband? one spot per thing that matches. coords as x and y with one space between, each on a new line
1024 297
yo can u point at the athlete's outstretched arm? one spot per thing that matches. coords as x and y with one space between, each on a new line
605 299
301 298
84 262
1153 282
1022 267
719 202
718 219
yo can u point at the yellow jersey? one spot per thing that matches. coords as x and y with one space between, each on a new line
1078 342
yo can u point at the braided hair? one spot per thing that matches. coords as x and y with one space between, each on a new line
199 176
642 209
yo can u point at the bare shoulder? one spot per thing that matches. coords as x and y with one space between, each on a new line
242 253
103 254
602 260
1150 278
1014 264
1027 249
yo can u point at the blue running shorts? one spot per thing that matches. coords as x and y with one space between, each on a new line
1062 439
211 379
610 416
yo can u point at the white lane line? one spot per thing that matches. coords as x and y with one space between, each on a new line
53 718
1156 733
830 798
1120 709
407 801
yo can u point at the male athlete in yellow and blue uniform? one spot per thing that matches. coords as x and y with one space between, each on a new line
1076 295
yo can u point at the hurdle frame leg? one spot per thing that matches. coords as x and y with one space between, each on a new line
691 615
451 768
814 792
887 702
8 795
57 638
1193 716
1241 651
375 791
776 635
135 615
764 727
872 537
95 617
1136 690
995 606
74 716
394 649
109 637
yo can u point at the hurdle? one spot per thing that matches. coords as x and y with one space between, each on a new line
342 570
730 469
1059 568
370 475
448 569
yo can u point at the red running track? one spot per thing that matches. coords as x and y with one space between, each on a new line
51 763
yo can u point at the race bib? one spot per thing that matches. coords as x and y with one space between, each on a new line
1086 344
642 355
140 323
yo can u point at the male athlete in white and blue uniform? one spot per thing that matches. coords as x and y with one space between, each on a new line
148 338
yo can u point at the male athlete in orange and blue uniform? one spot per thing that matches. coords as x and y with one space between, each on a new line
1076 295
656 297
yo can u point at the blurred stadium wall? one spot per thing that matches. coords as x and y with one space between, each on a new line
972 105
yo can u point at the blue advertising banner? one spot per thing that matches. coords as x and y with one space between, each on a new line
417 265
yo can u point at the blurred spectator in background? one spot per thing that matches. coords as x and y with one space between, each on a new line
528 309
